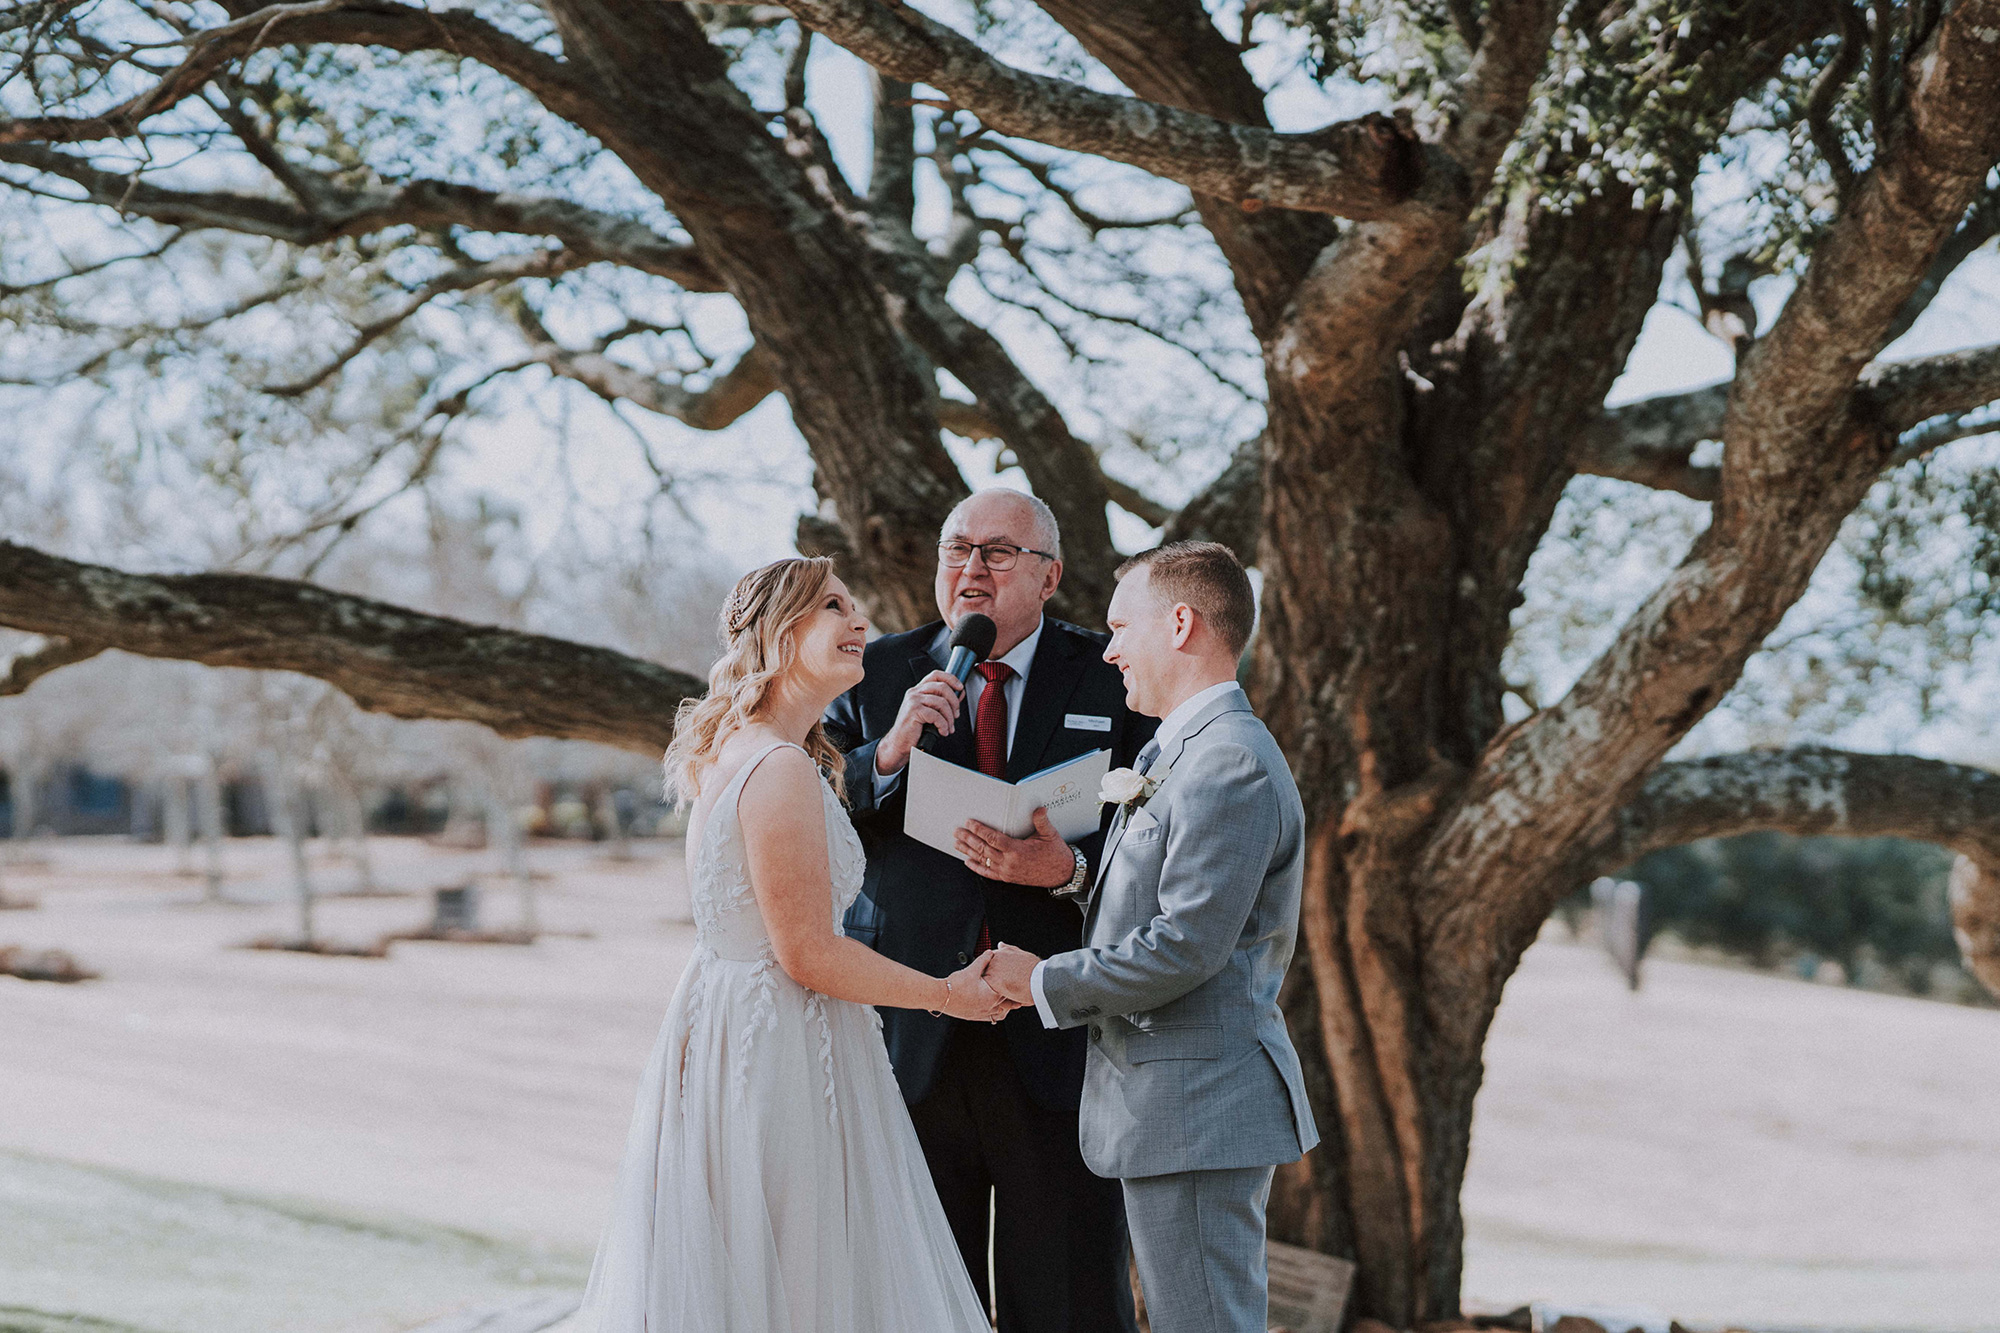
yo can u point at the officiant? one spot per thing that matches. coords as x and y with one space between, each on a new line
995 1105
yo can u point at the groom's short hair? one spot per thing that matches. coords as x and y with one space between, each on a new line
1208 577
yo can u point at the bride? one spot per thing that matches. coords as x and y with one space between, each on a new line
772 1182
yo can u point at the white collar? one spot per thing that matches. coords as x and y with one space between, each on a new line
1175 722
1022 655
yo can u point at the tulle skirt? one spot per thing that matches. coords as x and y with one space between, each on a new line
772 1182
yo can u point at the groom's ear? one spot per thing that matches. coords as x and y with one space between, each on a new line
1184 622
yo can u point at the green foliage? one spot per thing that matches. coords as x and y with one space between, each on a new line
1765 895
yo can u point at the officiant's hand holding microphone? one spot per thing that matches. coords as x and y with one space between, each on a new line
932 702
930 709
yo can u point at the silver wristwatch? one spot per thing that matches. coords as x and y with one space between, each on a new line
1076 880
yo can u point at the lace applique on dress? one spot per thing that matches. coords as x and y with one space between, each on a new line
719 884
763 1018
816 1013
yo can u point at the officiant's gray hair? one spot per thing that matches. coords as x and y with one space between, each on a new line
1048 533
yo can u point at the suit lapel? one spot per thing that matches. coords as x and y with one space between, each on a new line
1052 678
1170 754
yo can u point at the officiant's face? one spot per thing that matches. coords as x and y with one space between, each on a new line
1013 596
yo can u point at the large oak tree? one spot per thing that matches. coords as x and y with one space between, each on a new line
1440 294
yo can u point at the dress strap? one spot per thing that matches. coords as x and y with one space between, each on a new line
734 789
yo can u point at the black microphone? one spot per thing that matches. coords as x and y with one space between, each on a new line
971 643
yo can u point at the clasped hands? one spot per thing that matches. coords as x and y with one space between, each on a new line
992 985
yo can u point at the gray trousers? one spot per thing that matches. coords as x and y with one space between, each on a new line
1198 1239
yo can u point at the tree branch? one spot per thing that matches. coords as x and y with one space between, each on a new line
1797 379
1169 51
1903 394
1825 95
1365 292
1981 224
1810 791
892 188
1359 168
1975 917
962 418
386 658
1801 446
509 268
587 233
744 385
1651 441
38 657
356 22
1062 469
1508 56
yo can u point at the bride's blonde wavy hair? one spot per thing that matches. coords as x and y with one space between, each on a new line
759 630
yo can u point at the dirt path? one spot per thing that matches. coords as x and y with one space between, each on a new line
1722 1146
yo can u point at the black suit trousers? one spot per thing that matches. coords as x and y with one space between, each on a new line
998 1156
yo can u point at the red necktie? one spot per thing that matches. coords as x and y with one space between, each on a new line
989 740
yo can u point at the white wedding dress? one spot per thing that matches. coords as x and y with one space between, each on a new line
772 1182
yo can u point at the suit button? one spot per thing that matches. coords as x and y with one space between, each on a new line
963 960
1095 1032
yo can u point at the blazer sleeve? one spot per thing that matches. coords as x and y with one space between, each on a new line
1219 846
845 728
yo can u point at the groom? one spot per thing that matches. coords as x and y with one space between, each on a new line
1193 1092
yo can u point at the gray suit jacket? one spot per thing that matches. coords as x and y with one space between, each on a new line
1187 936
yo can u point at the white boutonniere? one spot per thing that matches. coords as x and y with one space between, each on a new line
1129 787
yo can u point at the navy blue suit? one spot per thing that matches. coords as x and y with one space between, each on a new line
995 1108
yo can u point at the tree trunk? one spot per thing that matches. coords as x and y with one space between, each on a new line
286 804
177 822
613 821
209 819
354 816
504 832
26 789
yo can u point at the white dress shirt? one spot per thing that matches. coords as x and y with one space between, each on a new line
1020 657
1171 727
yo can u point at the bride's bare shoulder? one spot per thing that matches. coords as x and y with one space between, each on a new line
726 763
784 785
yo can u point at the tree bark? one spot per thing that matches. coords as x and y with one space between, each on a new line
386 658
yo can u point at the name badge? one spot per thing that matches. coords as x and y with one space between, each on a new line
1085 722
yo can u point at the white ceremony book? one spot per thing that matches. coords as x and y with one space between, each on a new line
942 796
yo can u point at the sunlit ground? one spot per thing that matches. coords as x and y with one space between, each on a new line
210 1140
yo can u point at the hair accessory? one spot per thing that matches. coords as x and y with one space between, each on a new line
736 615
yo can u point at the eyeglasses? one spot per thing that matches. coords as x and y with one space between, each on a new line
997 555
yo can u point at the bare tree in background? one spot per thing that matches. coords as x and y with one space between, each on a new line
1435 301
